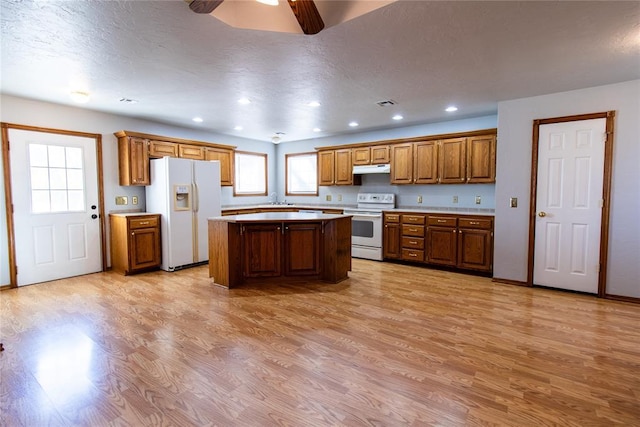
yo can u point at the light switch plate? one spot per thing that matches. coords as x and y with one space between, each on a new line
455 199
121 200
478 200
339 197
328 197
419 199
513 202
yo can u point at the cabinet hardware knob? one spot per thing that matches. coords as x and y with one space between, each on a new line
133 234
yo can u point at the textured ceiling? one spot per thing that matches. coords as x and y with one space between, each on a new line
423 55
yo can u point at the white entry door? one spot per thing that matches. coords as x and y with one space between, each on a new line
54 187
569 204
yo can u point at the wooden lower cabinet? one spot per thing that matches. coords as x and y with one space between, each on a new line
392 237
302 249
261 247
135 242
462 242
475 244
242 250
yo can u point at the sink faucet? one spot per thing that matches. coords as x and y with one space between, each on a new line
274 198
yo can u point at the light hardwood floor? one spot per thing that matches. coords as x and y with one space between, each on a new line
393 345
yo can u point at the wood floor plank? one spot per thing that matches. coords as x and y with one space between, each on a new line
393 345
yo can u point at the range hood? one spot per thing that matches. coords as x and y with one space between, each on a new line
361 170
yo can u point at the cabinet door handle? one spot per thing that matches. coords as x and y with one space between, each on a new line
413 242
413 255
143 222
474 223
442 220
413 229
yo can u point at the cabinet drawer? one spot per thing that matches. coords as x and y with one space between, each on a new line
443 221
480 223
143 222
412 242
391 217
413 219
413 230
412 255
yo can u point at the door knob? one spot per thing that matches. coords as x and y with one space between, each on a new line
94 216
93 207
542 214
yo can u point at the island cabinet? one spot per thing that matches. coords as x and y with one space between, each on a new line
135 242
254 247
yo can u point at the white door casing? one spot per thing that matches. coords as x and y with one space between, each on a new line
54 186
569 199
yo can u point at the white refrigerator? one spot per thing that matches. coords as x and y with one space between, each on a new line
185 192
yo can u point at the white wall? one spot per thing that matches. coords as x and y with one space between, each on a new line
515 124
34 113
438 196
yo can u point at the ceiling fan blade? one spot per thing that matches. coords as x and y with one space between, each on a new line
307 15
204 6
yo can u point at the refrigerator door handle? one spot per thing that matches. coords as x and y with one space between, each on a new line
196 201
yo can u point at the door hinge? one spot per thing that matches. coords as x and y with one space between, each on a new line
601 203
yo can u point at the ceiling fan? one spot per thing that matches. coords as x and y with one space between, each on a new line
305 12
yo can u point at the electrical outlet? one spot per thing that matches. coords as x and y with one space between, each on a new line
121 200
134 200
419 199
513 202
455 199
478 200
328 197
339 197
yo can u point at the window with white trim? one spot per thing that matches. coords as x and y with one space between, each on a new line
251 174
301 174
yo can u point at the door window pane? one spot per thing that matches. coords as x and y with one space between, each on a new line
57 178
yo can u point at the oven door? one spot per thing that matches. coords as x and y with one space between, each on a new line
366 229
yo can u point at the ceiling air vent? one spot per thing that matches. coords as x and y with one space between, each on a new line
386 103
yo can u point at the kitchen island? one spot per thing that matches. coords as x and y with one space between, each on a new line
290 245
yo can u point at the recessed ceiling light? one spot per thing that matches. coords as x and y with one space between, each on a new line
353 124
314 104
317 129
397 117
238 128
79 97
244 101
197 119
451 109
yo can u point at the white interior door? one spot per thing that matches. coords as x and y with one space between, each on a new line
569 204
54 185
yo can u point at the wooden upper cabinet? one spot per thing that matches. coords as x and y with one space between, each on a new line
133 161
162 149
361 156
402 164
380 155
452 161
481 159
326 162
425 166
343 167
195 152
225 157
